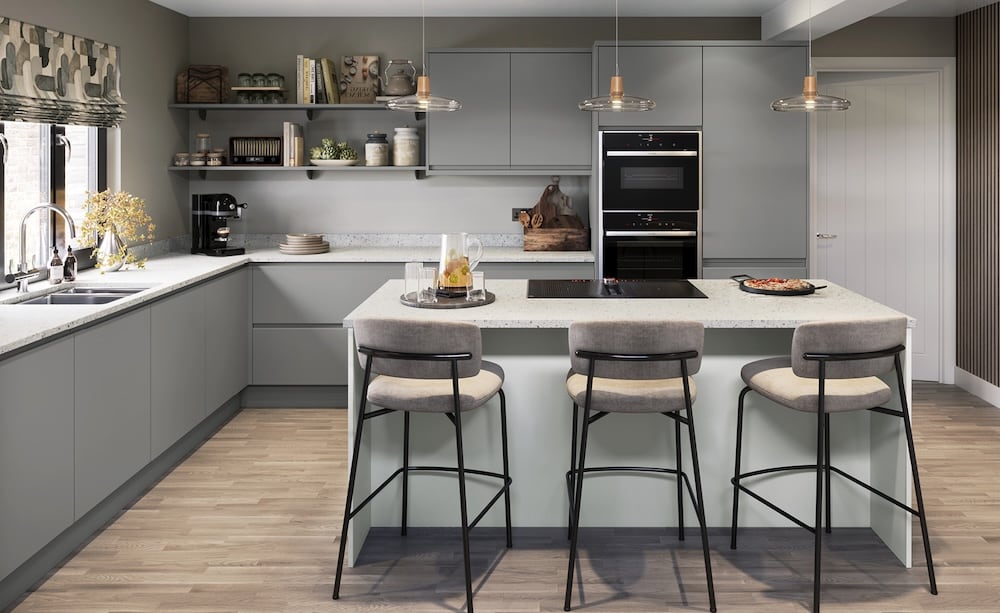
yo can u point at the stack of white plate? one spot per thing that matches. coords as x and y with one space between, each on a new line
303 244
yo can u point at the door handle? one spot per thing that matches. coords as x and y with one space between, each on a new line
821 235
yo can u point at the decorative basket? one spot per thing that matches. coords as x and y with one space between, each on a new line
203 84
557 239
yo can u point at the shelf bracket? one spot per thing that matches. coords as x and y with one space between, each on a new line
310 174
202 114
420 174
309 116
419 115
202 174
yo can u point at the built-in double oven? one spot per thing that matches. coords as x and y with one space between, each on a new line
649 189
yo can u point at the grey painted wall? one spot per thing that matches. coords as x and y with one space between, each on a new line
153 41
891 37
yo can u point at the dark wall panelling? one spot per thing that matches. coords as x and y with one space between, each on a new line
978 61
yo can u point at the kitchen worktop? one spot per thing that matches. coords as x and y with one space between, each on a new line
23 325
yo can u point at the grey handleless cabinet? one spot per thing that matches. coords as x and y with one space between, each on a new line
36 450
227 337
670 75
177 367
112 406
518 114
755 161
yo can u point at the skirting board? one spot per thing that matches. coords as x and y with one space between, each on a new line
978 387
294 396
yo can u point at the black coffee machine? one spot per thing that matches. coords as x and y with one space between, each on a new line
210 226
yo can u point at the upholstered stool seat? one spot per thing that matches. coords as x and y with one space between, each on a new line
834 367
414 366
634 367
774 379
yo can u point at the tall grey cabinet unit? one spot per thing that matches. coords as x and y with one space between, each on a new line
177 361
36 450
112 406
518 112
671 75
755 163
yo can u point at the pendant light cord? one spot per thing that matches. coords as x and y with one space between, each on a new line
810 27
617 73
423 38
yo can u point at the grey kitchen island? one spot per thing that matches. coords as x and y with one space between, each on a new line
528 338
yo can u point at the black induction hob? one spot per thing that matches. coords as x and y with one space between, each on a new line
610 288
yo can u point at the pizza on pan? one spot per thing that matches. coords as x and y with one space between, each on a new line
778 285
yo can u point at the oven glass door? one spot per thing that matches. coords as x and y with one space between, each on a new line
643 257
650 181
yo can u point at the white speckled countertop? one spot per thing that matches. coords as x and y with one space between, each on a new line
22 325
726 307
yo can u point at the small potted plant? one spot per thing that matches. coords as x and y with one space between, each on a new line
119 218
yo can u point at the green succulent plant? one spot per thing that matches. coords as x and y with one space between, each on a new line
329 150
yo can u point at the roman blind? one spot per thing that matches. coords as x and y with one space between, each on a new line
47 76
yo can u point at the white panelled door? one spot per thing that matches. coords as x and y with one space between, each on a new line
878 198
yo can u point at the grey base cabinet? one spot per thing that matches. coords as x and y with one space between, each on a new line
227 337
36 450
112 435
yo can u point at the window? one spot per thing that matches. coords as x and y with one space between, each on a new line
45 163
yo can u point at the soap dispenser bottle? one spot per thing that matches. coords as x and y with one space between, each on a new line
69 266
55 267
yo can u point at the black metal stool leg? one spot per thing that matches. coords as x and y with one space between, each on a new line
465 514
506 465
826 447
916 476
820 455
700 502
358 428
406 470
736 471
680 488
570 485
574 524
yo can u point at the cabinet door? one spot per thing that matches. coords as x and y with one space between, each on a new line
227 338
314 293
546 128
479 134
36 450
112 406
300 356
671 76
755 162
177 367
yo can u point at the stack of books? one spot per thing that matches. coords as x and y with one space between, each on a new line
292 145
316 81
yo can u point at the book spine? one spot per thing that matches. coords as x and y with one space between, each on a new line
312 81
332 88
286 144
320 84
298 79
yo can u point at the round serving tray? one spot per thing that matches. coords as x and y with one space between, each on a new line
446 303
742 279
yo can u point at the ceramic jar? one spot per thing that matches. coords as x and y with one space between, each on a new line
406 147
377 150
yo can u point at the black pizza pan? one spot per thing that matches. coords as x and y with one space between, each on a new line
742 279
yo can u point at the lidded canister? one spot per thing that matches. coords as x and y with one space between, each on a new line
377 150
202 143
406 147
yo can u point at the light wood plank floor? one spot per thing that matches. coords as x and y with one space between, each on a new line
249 522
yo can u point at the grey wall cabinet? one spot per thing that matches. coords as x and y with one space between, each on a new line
518 111
36 450
227 337
670 75
112 406
177 361
755 162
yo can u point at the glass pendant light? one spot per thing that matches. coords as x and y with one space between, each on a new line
810 99
423 101
616 100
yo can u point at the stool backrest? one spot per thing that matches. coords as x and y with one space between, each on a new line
419 337
847 336
636 337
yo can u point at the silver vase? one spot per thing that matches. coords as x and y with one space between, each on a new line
111 250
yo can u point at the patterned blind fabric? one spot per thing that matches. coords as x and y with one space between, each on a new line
48 76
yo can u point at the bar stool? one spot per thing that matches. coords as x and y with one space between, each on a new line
834 367
634 367
448 376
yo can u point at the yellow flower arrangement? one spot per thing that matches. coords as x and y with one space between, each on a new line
122 214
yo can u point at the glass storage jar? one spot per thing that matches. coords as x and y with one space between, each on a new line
376 150
202 143
406 147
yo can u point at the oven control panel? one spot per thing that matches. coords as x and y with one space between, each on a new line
660 220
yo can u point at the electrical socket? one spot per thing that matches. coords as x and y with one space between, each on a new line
515 213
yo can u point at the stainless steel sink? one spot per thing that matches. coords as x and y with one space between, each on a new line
97 289
72 298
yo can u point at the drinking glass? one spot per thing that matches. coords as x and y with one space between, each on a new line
428 285
411 280
477 292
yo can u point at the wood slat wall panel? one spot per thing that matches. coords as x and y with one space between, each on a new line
978 61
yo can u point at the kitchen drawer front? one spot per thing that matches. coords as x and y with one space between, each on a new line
300 356
314 293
